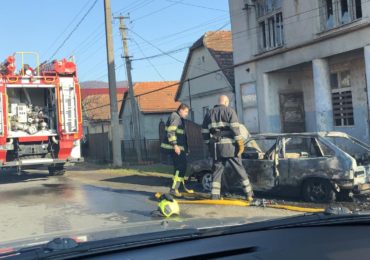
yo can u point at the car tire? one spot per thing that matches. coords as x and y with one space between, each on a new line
318 190
207 179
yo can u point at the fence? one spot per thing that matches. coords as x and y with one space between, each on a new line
150 150
98 147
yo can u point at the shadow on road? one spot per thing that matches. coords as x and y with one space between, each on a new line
142 180
11 177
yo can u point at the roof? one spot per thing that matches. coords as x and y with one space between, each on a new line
219 44
97 107
161 100
85 92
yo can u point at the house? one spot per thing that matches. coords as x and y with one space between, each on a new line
100 87
96 109
302 65
155 101
97 127
212 51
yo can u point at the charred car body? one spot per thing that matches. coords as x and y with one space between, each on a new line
318 166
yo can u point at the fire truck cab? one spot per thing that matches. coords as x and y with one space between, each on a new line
40 114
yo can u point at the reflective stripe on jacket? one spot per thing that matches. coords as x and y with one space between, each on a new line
220 129
175 133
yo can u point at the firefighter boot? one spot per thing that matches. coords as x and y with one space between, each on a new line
247 187
184 187
174 191
216 191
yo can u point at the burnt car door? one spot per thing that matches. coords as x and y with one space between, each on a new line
306 157
259 162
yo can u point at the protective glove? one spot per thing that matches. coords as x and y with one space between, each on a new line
240 144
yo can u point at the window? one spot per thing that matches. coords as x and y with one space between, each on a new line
339 12
342 98
205 111
302 147
270 20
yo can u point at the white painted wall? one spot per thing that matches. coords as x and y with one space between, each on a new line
205 90
148 124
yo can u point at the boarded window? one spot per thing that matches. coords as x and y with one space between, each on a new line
342 98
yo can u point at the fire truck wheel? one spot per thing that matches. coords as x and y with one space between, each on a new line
56 170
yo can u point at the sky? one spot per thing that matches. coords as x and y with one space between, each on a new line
56 29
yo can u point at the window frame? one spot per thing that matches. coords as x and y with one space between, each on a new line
339 89
337 13
268 37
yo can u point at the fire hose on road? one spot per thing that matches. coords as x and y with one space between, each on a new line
241 203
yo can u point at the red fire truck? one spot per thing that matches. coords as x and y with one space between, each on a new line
40 113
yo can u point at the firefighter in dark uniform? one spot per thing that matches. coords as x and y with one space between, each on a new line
221 132
176 144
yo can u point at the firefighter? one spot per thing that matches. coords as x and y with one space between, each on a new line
221 132
176 144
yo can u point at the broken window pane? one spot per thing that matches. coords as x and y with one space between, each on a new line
358 9
329 14
344 79
344 17
271 31
279 29
301 147
263 34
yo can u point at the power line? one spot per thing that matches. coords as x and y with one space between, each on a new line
69 25
199 6
134 6
148 60
74 29
161 54
156 11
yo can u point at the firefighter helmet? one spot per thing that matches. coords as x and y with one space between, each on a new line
168 206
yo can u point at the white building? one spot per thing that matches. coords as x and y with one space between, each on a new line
302 65
156 101
211 52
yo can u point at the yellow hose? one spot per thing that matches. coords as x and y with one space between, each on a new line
241 203
216 202
295 208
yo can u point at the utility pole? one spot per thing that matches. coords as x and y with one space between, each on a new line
115 128
135 114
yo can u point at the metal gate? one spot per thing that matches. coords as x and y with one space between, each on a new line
197 148
99 148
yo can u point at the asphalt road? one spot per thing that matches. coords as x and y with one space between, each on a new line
35 204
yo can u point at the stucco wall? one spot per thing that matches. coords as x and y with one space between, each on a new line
301 28
204 91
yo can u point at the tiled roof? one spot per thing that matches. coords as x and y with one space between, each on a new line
158 101
98 91
219 44
97 107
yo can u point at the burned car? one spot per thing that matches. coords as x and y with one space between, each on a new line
317 166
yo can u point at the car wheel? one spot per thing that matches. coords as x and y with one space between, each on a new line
207 179
318 190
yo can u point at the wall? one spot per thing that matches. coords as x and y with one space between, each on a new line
205 90
303 43
354 62
296 79
148 124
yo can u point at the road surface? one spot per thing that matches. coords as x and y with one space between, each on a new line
35 204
